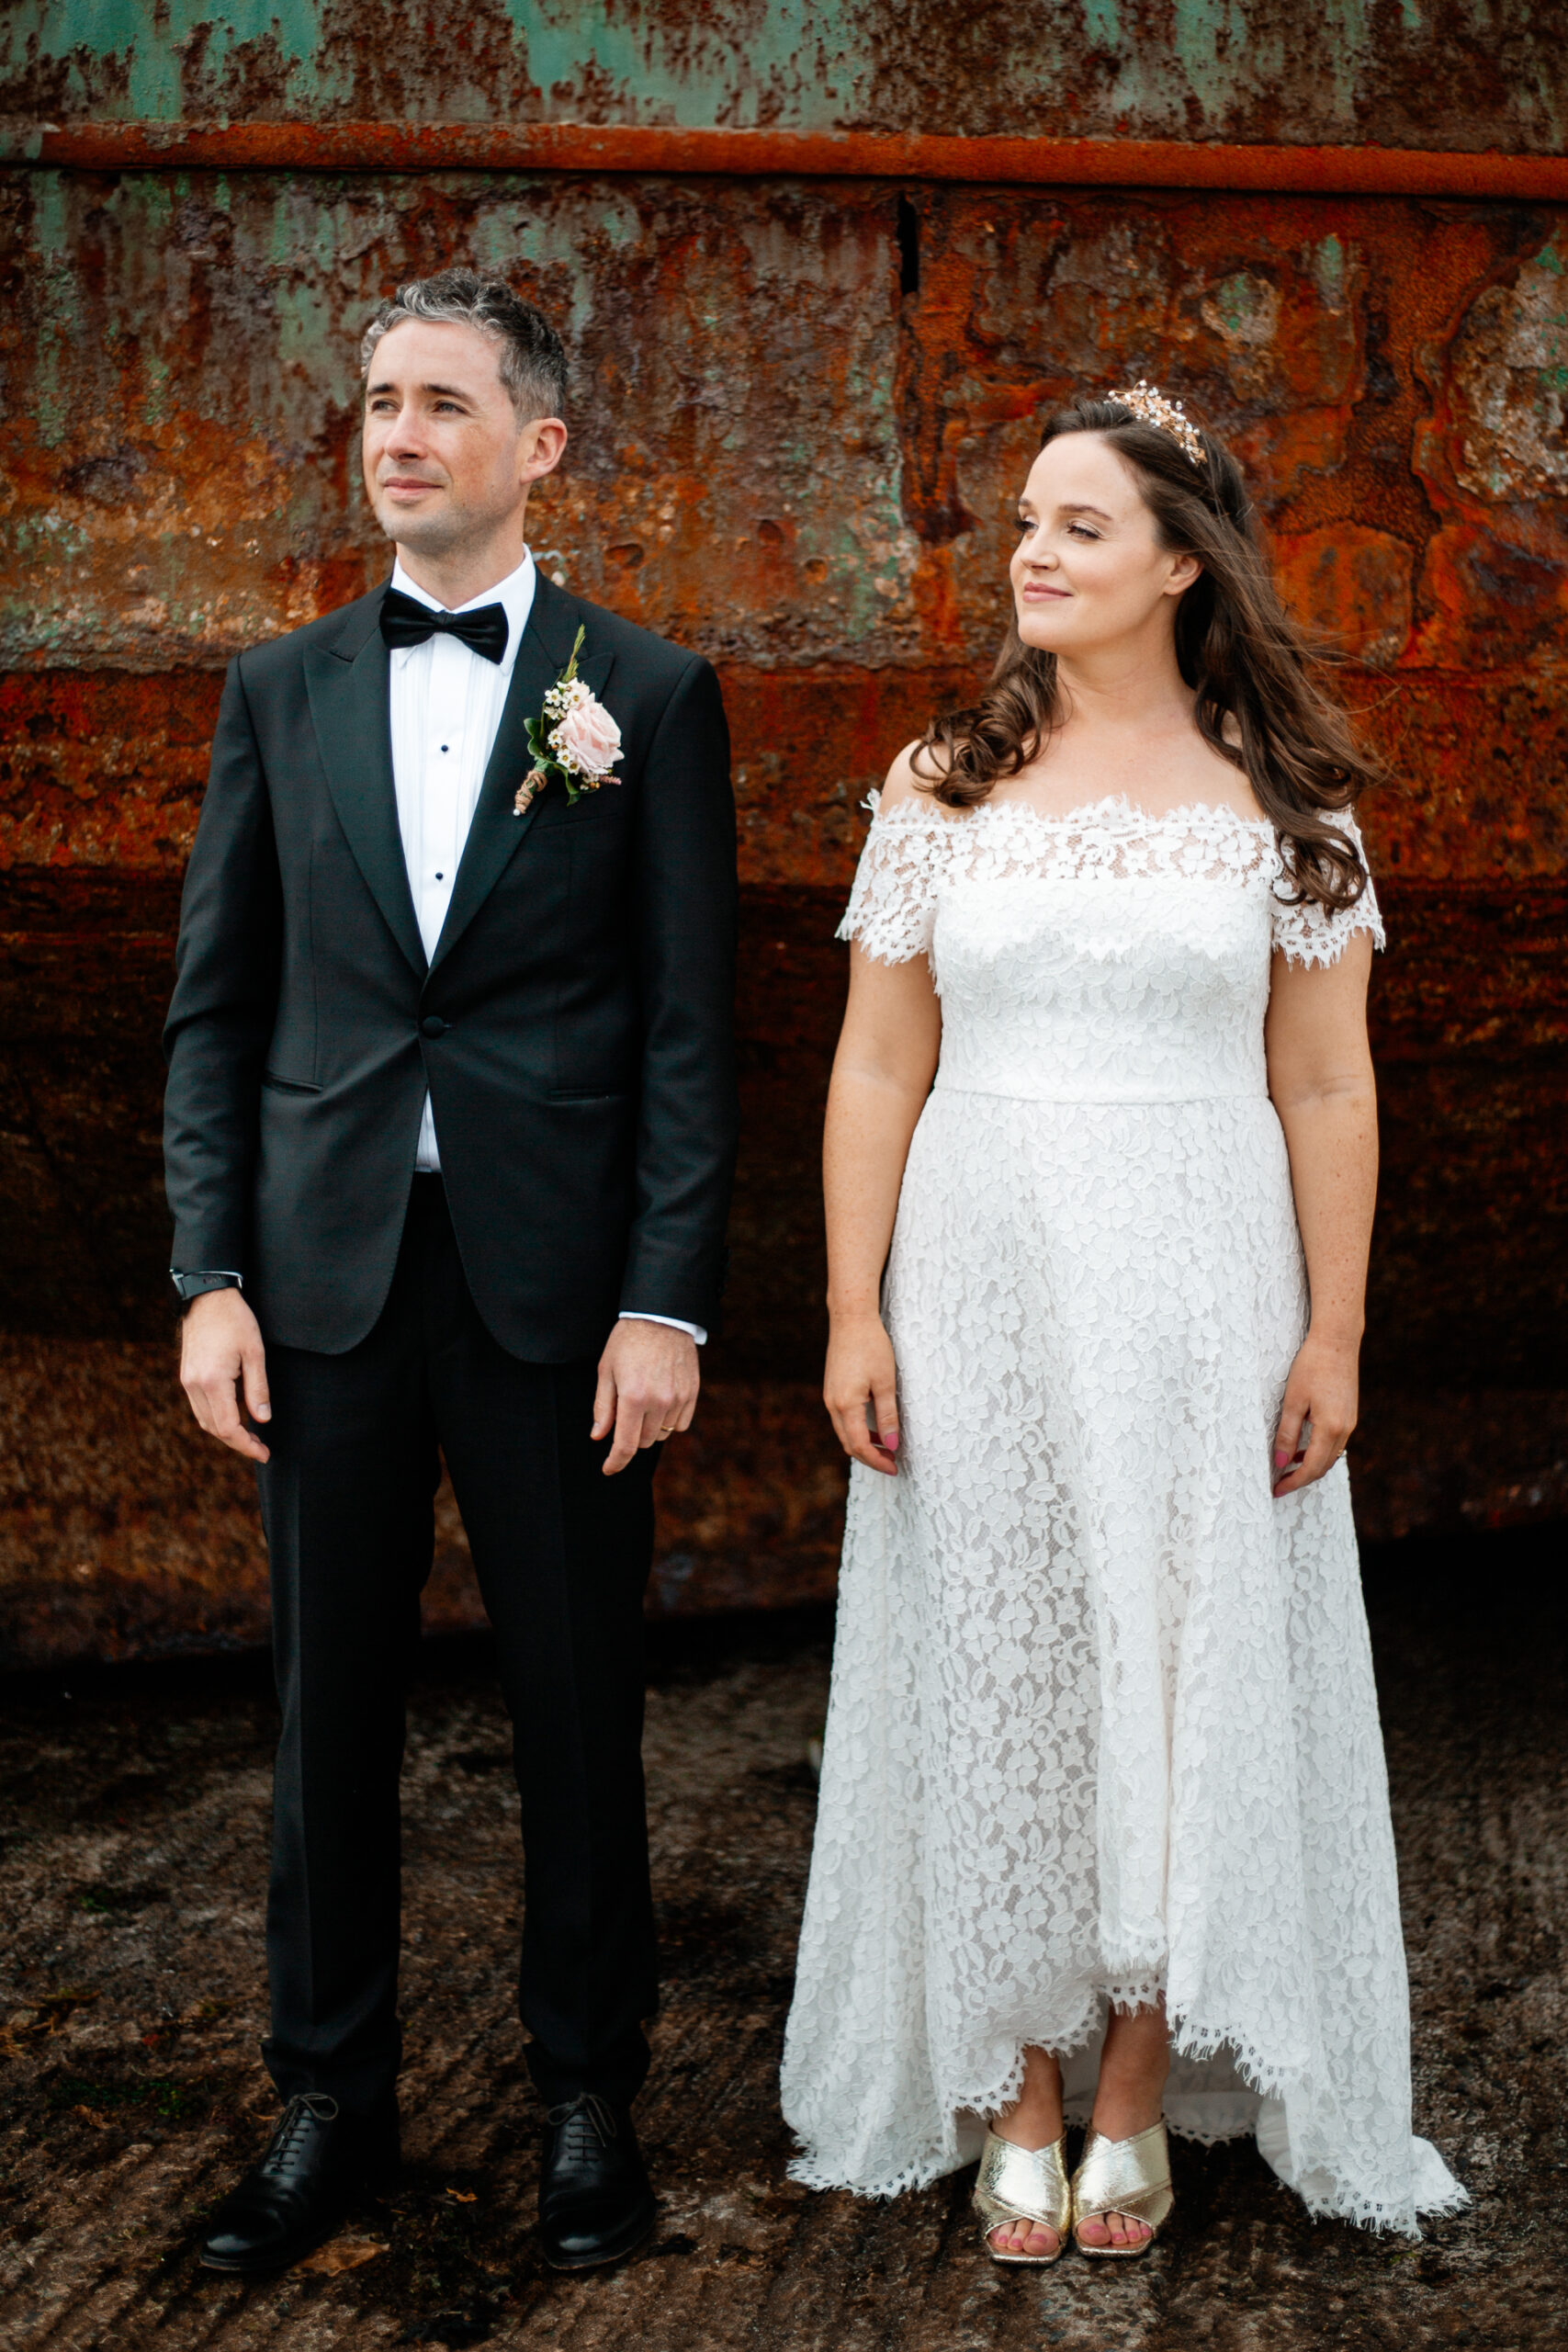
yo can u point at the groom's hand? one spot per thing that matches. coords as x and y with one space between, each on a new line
648 1388
221 1360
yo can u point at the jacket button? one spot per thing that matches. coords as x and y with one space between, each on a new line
434 1026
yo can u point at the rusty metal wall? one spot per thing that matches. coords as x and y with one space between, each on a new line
1421 73
801 409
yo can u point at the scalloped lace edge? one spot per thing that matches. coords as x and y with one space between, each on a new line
1188 2040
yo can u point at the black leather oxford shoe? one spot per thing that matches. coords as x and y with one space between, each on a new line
318 2161
596 2203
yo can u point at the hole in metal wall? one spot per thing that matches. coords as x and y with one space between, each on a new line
909 247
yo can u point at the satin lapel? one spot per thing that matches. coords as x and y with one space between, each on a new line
347 683
497 831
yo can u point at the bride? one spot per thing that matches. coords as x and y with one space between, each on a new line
1104 1828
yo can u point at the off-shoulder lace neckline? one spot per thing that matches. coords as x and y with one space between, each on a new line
1115 805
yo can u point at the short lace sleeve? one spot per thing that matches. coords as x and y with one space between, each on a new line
1310 933
892 907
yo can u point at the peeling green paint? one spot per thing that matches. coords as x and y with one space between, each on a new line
1245 308
1329 269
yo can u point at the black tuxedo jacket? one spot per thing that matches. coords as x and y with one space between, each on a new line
573 1026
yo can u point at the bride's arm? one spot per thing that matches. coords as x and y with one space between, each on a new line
882 1074
1320 1077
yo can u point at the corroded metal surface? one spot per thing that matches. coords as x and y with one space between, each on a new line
1458 73
780 456
801 411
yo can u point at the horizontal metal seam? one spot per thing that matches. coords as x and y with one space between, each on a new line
661 149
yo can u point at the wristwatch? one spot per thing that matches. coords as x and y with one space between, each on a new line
191 1286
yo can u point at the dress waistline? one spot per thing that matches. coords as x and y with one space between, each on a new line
1119 1102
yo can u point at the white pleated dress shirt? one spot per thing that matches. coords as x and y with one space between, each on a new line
446 702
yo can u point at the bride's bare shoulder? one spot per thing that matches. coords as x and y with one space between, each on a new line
910 779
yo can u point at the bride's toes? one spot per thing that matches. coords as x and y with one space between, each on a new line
1095 2233
1124 2230
1022 2237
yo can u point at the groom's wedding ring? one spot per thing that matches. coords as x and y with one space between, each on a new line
669 1432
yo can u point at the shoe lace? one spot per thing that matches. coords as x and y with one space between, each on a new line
305 2107
581 2121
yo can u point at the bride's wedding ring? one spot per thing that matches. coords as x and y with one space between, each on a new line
669 1432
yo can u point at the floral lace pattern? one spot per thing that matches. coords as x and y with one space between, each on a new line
1103 1722
916 854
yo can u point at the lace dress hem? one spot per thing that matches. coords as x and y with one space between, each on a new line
1327 2198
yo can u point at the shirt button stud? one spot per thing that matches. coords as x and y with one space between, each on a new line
434 1026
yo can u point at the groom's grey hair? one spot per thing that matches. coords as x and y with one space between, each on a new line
531 362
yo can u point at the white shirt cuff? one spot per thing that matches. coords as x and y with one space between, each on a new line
693 1330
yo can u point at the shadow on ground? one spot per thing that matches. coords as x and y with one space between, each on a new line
135 1806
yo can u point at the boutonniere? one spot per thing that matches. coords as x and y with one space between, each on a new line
574 737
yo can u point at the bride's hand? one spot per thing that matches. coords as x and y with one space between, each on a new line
1322 1390
859 1373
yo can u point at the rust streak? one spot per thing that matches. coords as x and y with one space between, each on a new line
550 146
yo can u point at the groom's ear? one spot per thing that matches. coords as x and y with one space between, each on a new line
541 445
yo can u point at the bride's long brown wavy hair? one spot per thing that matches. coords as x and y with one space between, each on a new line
1238 647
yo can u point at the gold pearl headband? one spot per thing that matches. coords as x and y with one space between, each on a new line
1169 416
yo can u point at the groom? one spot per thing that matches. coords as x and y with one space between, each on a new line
449 1131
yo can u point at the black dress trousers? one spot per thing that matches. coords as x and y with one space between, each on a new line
562 1554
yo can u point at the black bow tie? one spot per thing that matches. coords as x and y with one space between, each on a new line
404 621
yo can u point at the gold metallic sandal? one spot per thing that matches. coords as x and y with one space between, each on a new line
1023 2185
1131 2176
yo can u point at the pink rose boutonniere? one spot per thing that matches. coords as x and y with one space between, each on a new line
574 737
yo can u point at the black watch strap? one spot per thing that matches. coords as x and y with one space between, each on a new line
191 1286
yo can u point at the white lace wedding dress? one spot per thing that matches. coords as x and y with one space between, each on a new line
1103 1721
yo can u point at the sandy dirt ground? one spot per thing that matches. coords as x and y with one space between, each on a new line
135 1815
